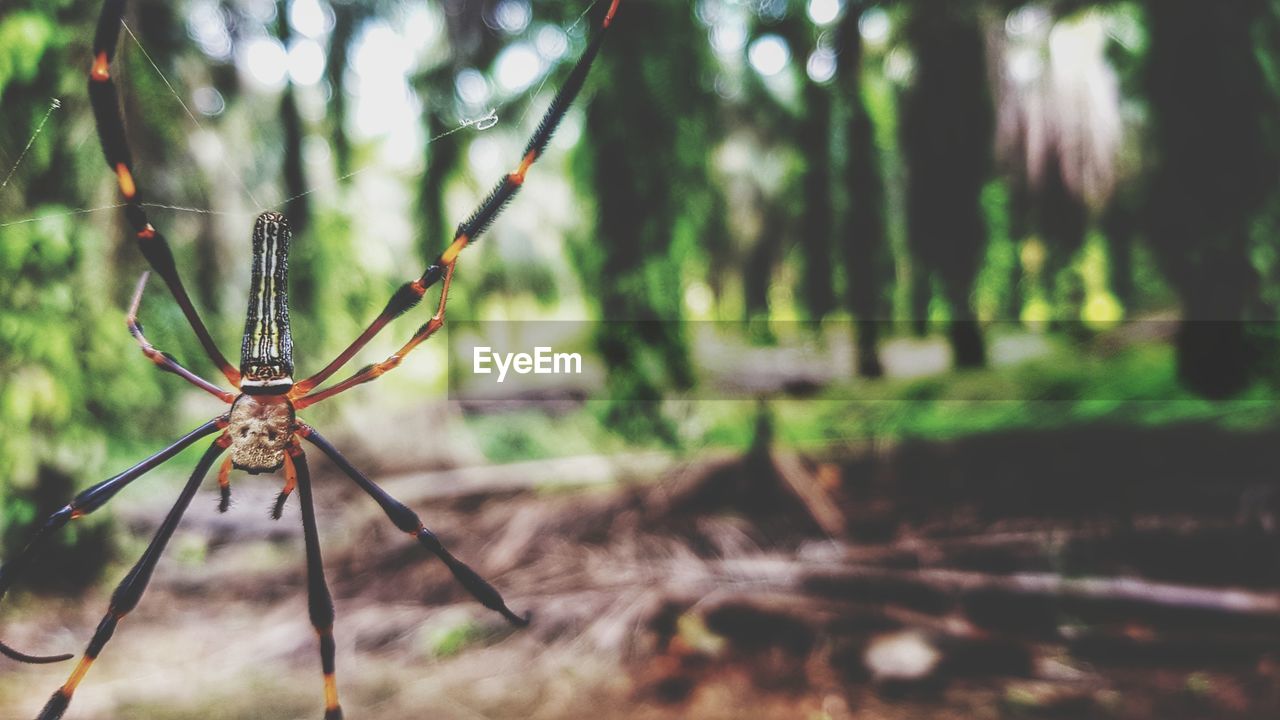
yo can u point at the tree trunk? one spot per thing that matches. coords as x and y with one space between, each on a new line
947 132
345 20
757 276
865 246
1214 172
646 79
816 221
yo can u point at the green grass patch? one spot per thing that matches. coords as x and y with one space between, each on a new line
1070 386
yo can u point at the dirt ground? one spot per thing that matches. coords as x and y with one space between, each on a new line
713 587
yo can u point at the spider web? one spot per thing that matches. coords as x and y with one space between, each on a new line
172 91
479 124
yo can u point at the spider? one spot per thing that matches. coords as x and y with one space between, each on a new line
261 430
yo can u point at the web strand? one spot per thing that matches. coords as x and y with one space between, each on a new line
481 124
485 122
68 213
547 76
86 211
225 162
180 208
54 104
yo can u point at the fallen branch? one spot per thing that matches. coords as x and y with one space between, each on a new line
947 587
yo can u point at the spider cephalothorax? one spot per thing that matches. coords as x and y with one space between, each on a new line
261 429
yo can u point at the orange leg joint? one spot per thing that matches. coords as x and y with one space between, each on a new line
127 186
101 69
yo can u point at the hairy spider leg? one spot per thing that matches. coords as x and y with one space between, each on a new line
409 294
164 360
407 521
115 147
319 600
86 502
130 590
224 486
290 484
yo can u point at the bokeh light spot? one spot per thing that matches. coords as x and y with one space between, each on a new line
310 18
822 65
266 62
471 87
306 62
823 12
769 55
517 67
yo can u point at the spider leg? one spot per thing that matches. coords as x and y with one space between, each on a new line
130 590
319 601
224 486
164 360
408 522
32 659
86 502
410 294
115 147
290 484
372 372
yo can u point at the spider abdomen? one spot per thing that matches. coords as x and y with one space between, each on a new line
266 353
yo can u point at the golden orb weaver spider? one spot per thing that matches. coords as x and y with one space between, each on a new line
261 430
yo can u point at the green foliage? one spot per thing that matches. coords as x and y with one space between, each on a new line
449 641
631 265
24 38
521 275
341 292
1138 385
994 291
531 435
73 379
73 389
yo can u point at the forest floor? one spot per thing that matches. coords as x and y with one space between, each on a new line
1089 568
962 587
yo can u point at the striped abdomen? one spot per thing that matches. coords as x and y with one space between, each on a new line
266 354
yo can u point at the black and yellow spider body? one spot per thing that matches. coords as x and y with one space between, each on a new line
261 431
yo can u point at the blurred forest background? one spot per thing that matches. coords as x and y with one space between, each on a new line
953 392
